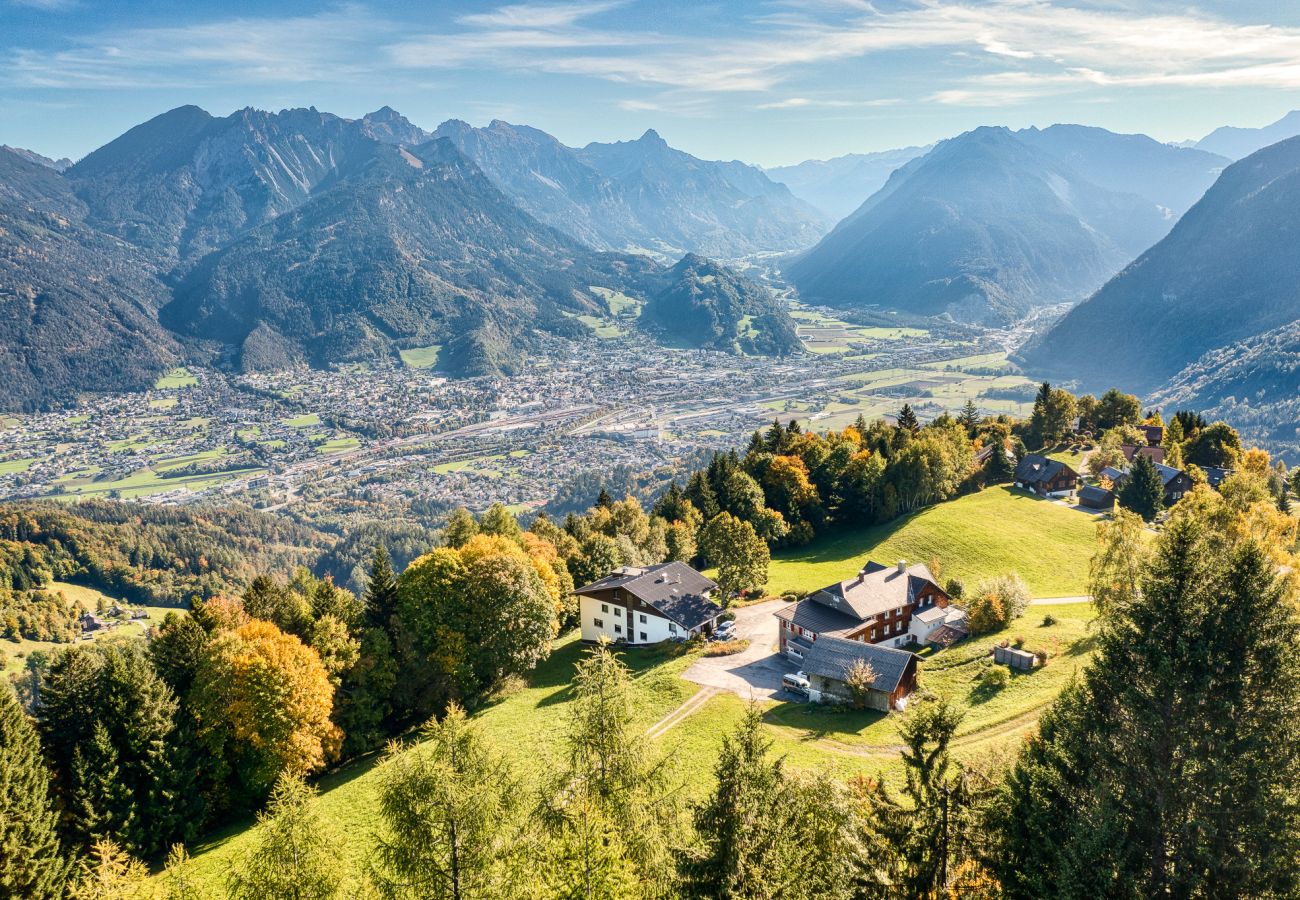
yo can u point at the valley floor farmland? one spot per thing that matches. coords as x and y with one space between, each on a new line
403 434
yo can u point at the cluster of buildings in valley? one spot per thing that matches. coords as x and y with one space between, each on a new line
410 434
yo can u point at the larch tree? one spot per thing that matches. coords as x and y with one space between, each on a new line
449 809
32 863
296 851
609 787
764 834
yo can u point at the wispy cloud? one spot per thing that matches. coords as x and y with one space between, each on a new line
994 52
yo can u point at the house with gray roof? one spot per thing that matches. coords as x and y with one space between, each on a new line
648 604
830 659
875 606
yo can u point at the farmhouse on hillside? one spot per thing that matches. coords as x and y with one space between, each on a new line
876 606
1046 477
1096 497
645 605
829 661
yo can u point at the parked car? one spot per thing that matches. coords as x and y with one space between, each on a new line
726 631
795 682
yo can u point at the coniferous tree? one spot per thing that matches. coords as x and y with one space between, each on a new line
461 526
907 420
32 864
1172 768
765 834
296 855
930 828
998 468
609 789
970 417
449 809
604 500
1143 492
381 591
700 492
110 873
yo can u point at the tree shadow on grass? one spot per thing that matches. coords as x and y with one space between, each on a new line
820 720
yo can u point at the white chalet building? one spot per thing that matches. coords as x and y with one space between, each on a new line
646 605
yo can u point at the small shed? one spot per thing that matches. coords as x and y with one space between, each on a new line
1016 659
1094 497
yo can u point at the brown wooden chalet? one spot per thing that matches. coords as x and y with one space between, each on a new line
646 605
876 607
1049 477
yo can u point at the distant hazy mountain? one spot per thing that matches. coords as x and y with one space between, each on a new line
640 194
78 308
708 305
990 224
57 165
1171 177
1228 272
1235 143
838 186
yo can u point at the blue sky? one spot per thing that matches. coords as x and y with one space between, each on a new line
766 82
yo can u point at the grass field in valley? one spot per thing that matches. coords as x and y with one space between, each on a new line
989 533
983 534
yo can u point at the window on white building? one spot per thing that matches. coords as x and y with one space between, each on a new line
672 627
604 607
618 629
642 618
643 637
600 623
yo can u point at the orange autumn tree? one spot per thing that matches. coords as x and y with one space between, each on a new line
262 701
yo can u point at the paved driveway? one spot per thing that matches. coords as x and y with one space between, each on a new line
756 672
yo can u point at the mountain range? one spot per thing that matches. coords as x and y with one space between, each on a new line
1207 316
991 224
259 240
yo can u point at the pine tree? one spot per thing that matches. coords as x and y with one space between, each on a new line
381 591
1284 501
604 500
32 864
449 809
1172 768
296 856
700 492
998 468
1143 492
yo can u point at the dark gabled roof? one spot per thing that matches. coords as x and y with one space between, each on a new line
1167 473
1215 475
832 657
1093 493
817 618
1035 468
876 589
1115 475
673 588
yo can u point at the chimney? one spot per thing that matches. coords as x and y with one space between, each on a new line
902 566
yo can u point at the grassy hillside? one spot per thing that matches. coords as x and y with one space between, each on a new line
528 725
990 533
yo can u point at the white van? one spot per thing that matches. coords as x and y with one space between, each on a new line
795 682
